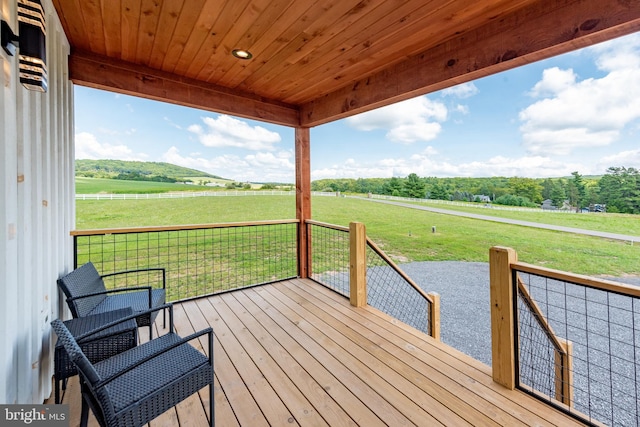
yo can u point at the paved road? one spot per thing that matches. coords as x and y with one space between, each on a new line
613 236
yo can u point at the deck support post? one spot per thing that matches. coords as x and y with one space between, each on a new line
358 264
502 321
564 373
434 315
303 198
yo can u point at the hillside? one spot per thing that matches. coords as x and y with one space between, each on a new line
112 168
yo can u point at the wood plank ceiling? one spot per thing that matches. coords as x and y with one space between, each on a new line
318 61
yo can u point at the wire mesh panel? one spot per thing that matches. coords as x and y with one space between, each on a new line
329 257
603 328
198 261
537 354
391 293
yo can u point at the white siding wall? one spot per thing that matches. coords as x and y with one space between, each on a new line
37 213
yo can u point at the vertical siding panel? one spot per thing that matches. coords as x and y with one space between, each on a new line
38 212
26 243
8 219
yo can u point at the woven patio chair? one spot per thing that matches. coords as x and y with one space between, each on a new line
86 294
134 387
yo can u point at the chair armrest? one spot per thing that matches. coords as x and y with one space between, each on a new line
111 291
127 318
164 273
207 331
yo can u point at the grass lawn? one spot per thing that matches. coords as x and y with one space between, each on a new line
117 186
405 234
609 222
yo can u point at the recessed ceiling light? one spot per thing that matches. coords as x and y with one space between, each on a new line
241 54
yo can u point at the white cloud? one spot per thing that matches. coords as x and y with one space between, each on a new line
416 119
629 159
87 146
464 90
554 81
427 164
226 131
619 53
462 109
593 112
258 167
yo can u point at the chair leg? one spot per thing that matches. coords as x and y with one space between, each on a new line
84 414
212 416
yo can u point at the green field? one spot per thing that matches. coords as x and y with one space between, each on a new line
405 234
119 186
609 222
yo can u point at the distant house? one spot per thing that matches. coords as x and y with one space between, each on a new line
481 198
548 205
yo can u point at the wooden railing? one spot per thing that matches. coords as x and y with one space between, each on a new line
570 340
199 259
205 259
347 261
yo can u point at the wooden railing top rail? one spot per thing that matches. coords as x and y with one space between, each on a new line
327 225
602 284
397 269
382 254
125 230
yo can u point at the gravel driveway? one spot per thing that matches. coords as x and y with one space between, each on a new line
465 321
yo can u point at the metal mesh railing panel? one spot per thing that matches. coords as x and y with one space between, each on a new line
330 257
604 328
197 261
389 292
536 351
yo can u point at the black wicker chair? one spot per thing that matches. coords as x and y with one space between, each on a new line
86 294
134 387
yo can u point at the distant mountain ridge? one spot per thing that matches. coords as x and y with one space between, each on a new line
107 168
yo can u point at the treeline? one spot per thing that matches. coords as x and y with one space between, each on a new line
135 176
134 169
618 189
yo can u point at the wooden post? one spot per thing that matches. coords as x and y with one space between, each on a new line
564 373
502 321
358 264
434 315
303 198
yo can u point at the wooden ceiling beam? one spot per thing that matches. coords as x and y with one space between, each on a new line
100 72
540 31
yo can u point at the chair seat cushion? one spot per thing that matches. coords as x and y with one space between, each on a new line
176 374
138 301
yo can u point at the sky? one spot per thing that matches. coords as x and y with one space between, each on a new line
575 112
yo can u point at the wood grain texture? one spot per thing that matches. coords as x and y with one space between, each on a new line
330 59
296 353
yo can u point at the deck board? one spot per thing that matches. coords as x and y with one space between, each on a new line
296 353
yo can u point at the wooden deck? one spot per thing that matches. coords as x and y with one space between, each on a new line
295 353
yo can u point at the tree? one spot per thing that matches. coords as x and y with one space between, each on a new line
576 190
438 192
526 187
547 188
557 196
414 187
620 190
393 187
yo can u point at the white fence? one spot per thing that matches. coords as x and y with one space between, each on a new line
467 205
190 194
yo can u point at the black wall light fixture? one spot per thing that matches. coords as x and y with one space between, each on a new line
31 42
